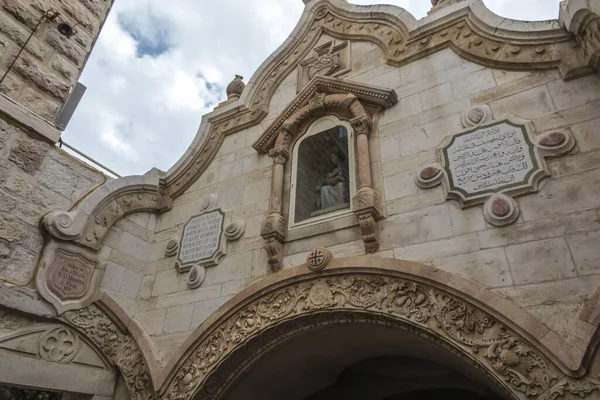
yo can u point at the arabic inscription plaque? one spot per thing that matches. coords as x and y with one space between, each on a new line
490 159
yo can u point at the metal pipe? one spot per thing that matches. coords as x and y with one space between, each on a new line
62 143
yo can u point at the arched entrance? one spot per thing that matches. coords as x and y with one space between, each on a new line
361 360
299 334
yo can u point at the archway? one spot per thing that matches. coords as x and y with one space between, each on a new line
409 301
351 359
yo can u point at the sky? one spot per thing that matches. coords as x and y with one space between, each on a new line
158 66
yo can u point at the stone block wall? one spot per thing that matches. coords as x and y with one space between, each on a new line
51 63
35 178
546 262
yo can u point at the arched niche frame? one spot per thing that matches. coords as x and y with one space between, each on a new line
321 130
346 101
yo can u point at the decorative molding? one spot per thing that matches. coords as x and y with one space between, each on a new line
118 346
488 343
93 217
582 18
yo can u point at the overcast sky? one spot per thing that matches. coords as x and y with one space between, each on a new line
159 66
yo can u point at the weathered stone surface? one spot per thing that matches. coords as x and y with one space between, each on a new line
178 318
7 202
19 186
152 321
113 277
12 231
488 267
19 35
586 251
20 268
64 68
131 284
70 50
21 12
28 153
43 78
41 103
427 224
203 309
540 261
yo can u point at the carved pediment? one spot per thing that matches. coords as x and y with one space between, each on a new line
369 95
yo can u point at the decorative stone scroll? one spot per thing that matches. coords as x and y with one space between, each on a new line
69 278
202 241
492 162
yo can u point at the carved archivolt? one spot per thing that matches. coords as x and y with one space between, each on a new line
117 346
516 365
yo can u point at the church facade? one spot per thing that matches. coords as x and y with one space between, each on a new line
390 208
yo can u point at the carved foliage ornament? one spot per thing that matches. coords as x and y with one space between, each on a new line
120 348
489 343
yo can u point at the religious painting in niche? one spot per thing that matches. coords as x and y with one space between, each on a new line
322 174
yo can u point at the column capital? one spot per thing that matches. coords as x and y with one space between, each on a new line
279 155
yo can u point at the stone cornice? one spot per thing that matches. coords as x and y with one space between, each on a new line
468 27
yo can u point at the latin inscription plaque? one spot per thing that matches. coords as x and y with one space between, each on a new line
202 240
490 159
69 276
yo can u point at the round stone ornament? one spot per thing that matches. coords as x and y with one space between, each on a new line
318 259
196 276
501 210
476 115
429 176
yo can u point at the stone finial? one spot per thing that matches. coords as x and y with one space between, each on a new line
235 88
439 4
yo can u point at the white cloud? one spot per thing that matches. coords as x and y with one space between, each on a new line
143 112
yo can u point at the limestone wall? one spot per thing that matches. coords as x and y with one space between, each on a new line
35 178
547 261
51 63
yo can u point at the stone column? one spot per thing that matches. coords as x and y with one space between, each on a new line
274 227
366 201
280 156
362 128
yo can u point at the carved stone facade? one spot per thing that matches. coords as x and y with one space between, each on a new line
109 278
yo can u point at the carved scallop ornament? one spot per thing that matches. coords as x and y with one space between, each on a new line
493 162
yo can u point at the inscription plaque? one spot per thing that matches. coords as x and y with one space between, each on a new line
201 242
69 276
490 159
